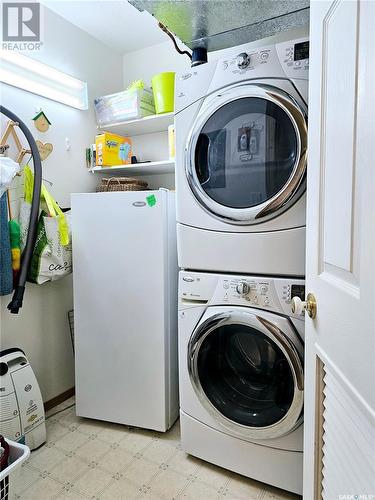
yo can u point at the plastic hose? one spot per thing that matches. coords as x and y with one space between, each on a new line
17 299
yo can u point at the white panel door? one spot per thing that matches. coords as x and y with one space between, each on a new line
339 453
119 245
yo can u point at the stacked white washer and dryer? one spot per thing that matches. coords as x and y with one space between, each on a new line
241 145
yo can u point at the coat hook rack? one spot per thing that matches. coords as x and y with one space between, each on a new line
10 131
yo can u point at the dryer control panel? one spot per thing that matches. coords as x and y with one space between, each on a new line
247 62
294 58
282 60
273 294
292 55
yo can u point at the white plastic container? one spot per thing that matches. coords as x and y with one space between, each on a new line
22 417
18 453
126 105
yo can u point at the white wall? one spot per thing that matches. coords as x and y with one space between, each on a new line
41 328
146 63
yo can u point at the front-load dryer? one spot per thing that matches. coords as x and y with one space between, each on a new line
241 374
241 145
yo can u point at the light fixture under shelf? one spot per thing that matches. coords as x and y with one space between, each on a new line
150 168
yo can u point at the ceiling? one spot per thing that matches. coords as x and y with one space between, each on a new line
115 23
214 24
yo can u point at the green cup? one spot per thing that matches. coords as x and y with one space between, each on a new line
163 89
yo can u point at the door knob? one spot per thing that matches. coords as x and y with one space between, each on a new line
308 305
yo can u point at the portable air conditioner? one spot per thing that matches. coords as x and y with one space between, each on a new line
22 415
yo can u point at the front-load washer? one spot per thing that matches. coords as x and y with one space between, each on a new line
241 374
241 145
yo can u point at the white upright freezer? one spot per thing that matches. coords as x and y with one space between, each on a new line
125 307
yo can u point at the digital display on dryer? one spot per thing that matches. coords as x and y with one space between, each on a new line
301 51
298 291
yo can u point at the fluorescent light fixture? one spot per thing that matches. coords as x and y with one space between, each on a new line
36 77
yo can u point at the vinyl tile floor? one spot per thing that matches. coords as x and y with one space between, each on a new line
89 459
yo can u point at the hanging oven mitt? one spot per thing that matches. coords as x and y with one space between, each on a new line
6 281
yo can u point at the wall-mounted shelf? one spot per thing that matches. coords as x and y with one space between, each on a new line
147 125
151 168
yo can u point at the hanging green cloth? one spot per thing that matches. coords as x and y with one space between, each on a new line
6 275
15 247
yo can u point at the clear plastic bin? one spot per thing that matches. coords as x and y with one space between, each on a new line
126 105
18 453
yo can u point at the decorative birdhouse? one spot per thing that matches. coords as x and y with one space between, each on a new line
41 122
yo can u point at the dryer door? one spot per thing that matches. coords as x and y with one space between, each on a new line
246 153
247 370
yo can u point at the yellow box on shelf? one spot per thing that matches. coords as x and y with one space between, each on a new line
112 149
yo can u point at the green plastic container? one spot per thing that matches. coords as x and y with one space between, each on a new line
163 89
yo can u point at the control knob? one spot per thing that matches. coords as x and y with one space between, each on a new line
243 60
242 288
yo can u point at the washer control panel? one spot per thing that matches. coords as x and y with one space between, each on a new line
273 294
252 291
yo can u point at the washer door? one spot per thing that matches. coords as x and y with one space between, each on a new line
248 373
246 154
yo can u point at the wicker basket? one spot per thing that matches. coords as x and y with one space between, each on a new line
122 184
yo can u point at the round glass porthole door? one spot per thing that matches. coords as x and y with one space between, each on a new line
247 377
247 154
